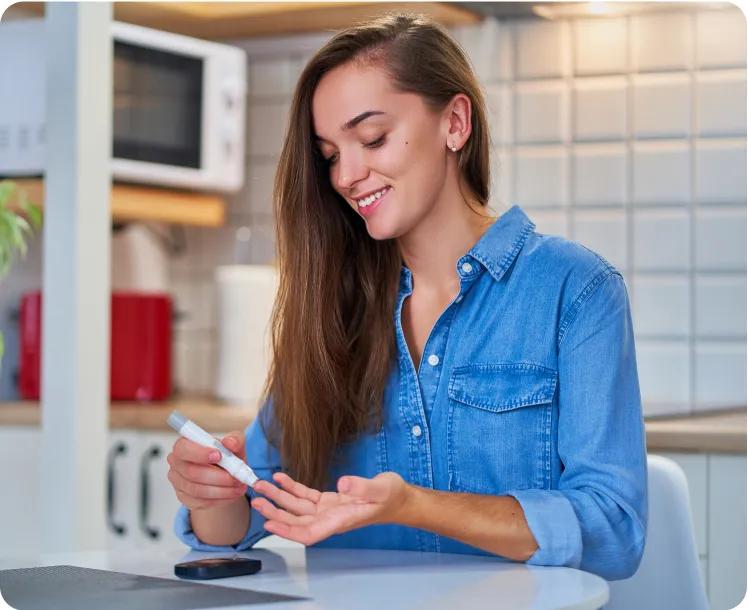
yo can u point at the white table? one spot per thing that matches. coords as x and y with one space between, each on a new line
345 579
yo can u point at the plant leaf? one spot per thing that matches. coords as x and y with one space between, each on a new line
7 188
34 213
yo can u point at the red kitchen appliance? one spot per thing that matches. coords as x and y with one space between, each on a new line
140 346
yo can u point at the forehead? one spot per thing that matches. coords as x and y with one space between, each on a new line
350 89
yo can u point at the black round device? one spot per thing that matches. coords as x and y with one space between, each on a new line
217 567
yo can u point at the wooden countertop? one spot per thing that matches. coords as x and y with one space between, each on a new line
207 412
719 432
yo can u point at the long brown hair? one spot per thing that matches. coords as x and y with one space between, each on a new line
333 323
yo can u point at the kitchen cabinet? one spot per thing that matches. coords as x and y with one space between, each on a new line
20 458
141 502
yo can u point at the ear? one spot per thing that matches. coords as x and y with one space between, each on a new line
458 120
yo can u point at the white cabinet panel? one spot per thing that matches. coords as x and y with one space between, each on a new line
20 449
122 489
727 530
157 502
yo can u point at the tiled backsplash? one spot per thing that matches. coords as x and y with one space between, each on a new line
627 134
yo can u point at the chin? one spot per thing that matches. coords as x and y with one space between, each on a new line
379 233
380 230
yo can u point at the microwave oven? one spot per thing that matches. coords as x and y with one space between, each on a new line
178 107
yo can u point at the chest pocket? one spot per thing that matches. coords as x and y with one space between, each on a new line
500 427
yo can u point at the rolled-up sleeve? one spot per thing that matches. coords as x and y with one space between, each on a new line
263 458
596 518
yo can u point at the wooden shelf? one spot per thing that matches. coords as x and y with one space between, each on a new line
232 20
131 202
206 411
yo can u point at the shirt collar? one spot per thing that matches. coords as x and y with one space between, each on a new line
500 245
495 250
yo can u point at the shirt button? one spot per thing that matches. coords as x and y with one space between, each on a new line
467 267
416 430
459 298
433 360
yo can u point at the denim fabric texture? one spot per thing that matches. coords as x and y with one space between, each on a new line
528 387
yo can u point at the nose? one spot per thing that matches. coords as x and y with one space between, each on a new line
349 169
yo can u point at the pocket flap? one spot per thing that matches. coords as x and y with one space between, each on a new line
502 387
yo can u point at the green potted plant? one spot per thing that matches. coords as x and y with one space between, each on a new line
19 219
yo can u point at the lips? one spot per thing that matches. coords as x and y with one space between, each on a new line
369 209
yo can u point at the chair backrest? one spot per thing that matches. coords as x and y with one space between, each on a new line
668 576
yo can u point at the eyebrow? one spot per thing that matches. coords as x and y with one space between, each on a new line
355 121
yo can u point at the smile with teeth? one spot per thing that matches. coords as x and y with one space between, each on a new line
367 201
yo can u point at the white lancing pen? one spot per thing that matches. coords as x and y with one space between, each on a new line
236 467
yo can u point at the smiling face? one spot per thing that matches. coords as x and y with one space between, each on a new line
386 149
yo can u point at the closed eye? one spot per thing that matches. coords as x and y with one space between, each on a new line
332 159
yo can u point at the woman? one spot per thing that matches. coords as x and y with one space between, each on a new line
442 380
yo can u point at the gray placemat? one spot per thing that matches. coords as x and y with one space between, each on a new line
73 588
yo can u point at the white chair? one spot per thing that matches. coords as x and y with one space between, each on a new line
668 576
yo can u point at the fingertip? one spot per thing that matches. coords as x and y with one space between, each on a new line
344 485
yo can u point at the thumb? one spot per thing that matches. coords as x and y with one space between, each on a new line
234 442
366 489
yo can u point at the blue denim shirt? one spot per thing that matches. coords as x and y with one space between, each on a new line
528 387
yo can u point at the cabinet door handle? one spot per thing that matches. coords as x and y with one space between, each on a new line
145 483
119 449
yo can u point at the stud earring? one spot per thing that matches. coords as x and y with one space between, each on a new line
452 147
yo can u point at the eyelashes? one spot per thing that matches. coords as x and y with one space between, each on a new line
332 159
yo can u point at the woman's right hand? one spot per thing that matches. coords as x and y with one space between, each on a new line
197 479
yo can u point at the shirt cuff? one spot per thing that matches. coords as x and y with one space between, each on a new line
555 526
255 532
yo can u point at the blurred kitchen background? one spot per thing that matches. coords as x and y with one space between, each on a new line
621 126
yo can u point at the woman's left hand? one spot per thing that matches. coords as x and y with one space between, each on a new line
307 515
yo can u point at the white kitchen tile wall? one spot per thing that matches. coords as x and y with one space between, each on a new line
664 375
551 222
270 77
541 176
661 42
651 319
600 46
719 239
661 172
605 232
266 126
260 177
654 179
499 106
542 112
720 38
720 303
661 240
600 108
720 103
662 105
720 374
720 170
627 134
600 174
542 49
501 178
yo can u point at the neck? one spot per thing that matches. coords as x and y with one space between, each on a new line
431 250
